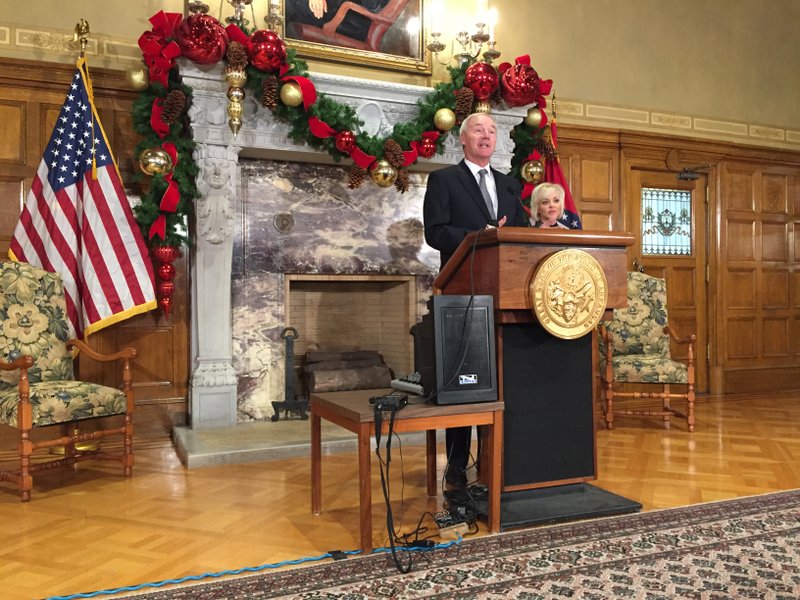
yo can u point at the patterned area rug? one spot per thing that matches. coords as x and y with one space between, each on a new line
744 548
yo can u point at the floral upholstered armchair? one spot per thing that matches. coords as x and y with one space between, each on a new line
635 349
37 388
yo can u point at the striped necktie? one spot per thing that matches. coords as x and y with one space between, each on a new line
485 193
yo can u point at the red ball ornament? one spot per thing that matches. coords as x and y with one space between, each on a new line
345 140
266 50
202 39
166 272
166 289
520 85
166 254
482 79
426 147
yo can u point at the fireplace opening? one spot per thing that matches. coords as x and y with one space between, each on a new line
340 313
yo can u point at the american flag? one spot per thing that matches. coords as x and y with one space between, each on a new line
77 221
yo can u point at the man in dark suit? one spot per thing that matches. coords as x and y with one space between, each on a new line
461 199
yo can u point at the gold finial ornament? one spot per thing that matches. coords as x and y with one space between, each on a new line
236 79
81 34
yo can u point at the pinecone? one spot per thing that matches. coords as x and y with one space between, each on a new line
401 183
174 103
237 56
269 92
545 148
393 152
357 176
465 98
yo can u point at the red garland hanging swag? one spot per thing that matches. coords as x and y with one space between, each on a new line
203 40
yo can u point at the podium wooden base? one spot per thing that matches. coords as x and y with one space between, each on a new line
549 420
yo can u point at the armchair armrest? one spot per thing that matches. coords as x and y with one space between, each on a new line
23 362
689 339
124 354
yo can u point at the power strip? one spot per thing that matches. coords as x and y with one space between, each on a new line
453 532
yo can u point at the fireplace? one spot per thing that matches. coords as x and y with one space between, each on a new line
354 312
276 225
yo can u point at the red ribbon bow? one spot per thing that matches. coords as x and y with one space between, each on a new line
307 88
171 197
156 123
159 50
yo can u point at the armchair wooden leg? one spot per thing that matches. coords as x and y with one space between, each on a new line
25 481
609 407
127 452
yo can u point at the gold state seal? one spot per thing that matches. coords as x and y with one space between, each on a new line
568 293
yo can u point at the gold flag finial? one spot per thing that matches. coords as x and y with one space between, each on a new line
81 34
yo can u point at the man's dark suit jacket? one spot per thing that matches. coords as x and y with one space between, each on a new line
454 206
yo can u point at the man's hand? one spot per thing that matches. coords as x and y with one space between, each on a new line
500 223
318 7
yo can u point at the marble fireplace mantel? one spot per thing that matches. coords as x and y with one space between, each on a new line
213 385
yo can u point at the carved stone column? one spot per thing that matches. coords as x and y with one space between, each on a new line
213 384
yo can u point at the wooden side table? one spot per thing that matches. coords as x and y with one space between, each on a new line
353 411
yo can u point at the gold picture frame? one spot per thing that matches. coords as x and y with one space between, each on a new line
393 31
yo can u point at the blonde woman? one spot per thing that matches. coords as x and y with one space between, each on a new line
547 201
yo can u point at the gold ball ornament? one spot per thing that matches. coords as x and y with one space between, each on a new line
154 161
138 77
532 171
444 119
291 94
383 173
534 117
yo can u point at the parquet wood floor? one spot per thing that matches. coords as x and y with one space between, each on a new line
90 529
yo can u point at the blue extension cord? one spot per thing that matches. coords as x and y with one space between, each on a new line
158 584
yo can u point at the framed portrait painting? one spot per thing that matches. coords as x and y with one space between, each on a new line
379 33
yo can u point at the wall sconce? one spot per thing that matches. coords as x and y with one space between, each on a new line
470 46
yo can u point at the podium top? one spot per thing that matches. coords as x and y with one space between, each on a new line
505 258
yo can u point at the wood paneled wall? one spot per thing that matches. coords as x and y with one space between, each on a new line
752 242
31 95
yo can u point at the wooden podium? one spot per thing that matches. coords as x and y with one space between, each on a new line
547 383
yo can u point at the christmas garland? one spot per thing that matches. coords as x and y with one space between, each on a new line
280 81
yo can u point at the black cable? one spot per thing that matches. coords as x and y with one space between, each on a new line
384 485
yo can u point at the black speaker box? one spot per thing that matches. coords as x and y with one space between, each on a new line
454 350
